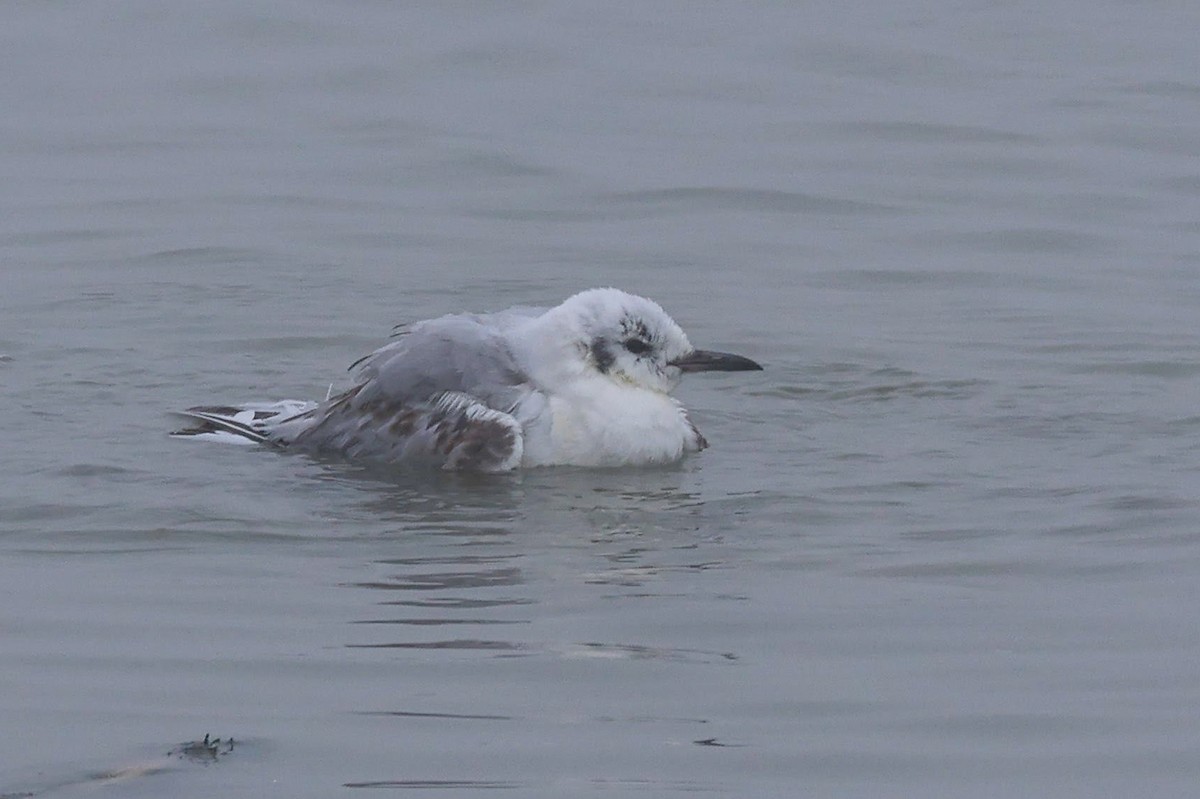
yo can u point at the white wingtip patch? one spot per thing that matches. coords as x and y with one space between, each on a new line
218 436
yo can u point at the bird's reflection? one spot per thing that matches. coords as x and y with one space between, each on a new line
536 573
472 557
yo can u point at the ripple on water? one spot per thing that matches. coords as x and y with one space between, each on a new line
689 198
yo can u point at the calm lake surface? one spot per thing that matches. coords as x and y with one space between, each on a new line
946 545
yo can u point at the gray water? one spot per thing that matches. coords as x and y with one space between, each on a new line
947 544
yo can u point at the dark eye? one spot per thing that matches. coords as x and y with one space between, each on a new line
636 346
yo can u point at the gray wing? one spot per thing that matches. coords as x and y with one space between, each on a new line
464 353
448 392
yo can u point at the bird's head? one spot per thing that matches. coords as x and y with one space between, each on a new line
631 339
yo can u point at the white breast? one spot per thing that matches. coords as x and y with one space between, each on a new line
611 424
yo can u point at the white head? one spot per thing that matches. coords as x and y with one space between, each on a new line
631 339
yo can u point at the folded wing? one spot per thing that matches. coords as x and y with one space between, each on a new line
450 430
447 392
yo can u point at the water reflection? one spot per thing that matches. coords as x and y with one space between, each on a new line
470 552
642 652
428 784
470 577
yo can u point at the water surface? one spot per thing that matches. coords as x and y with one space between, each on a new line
945 545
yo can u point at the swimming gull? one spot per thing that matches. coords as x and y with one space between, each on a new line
585 383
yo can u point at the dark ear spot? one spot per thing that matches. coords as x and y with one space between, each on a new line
602 355
637 346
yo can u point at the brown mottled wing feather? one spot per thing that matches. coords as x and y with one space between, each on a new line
451 430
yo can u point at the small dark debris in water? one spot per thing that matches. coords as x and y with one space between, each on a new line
206 751
714 742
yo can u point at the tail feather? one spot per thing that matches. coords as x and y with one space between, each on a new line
251 422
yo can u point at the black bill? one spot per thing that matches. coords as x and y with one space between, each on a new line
709 361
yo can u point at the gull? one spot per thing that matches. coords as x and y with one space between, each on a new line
586 383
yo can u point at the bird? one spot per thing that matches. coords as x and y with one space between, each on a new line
585 383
